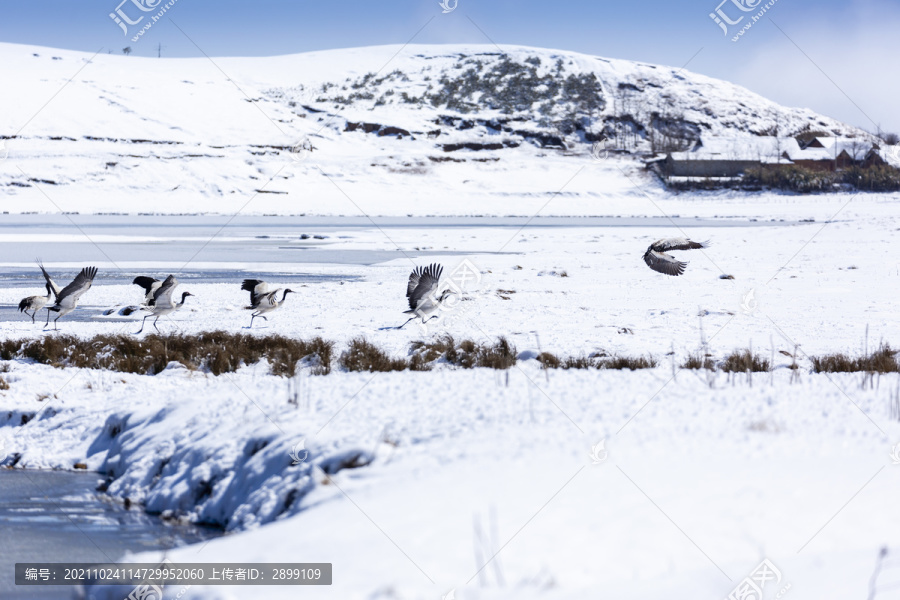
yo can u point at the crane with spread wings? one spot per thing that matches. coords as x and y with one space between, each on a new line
657 259
67 297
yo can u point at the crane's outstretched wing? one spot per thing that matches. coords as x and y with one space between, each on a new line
55 288
667 244
69 295
146 283
422 282
268 299
664 263
163 296
256 287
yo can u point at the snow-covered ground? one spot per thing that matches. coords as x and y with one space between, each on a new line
697 489
108 133
703 480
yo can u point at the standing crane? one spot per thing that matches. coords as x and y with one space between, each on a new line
161 304
36 303
261 299
67 298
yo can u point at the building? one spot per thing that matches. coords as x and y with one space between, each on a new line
831 153
729 158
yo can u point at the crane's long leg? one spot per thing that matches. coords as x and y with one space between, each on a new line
154 324
47 324
253 316
144 322
55 327
32 316
407 321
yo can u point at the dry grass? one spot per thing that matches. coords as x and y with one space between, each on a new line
467 354
577 362
882 360
4 384
631 363
501 355
549 361
220 352
362 355
217 351
698 361
741 361
433 350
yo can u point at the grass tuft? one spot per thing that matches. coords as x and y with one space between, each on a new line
632 363
467 354
549 361
882 360
697 361
577 362
501 355
362 355
217 351
741 361
433 350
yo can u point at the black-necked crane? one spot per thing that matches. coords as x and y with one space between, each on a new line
161 303
261 299
421 291
67 298
657 259
36 303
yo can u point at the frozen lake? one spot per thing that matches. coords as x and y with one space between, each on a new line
191 240
56 516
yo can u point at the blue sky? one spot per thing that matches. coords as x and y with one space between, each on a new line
835 57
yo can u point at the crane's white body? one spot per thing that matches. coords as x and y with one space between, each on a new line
427 307
161 303
262 300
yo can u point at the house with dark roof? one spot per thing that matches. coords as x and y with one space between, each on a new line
729 158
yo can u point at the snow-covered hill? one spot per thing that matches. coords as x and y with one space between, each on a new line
382 130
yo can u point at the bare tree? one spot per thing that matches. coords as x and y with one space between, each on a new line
891 139
126 50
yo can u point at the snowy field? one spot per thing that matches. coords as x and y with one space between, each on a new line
701 478
798 279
